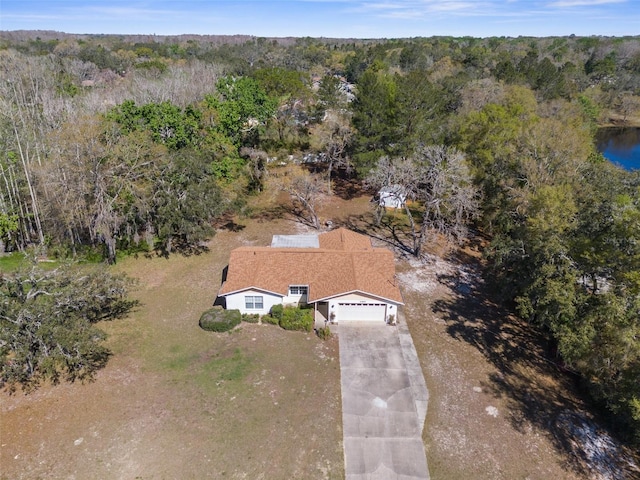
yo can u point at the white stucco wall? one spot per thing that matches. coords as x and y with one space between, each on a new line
236 301
295 300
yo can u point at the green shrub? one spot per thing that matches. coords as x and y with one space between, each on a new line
324 333
152 65
126 248
277 312
290 318
297 319
251 317
81 253
270 320
218 320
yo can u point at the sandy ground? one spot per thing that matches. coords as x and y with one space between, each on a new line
499 408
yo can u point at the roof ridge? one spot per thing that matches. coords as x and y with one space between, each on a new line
353 269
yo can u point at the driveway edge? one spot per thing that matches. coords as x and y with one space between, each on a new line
416 378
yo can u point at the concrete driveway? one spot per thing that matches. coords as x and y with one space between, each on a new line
384 403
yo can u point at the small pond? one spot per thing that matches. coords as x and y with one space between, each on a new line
620 146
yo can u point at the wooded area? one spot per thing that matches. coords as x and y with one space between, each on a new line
119 144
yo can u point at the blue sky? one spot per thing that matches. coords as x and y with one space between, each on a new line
327 18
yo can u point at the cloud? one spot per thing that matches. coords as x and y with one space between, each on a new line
31 16
453 6
420 8
124 12
582 3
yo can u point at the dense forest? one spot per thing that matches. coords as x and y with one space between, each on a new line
115 144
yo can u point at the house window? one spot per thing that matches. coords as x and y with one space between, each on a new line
253 302
298 290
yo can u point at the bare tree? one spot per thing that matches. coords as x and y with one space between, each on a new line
439 179
102 182
399 175
331 138
478 93
445 188
628 106
306 191
181 85
26 83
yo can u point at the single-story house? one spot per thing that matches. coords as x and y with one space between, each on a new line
392 196
339 273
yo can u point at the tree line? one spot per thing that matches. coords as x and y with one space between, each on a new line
113 144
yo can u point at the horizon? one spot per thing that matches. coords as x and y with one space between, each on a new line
365 19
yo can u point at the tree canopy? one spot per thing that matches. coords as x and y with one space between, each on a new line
48 323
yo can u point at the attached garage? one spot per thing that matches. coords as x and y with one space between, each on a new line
361 312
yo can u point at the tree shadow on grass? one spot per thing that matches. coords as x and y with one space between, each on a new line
227 222
538 393
184 248
390 230
269 214
345 186
299 215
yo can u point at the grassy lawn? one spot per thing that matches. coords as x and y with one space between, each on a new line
15 260
11 262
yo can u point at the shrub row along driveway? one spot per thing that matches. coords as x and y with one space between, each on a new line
381 395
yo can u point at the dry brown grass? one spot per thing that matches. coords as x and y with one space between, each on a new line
178 402
263 403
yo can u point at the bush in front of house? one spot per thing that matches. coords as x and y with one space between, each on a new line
276 312
251 317
290 318
324 333
219 320
270 320
294 318
275 315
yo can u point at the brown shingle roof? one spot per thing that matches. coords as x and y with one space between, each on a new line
351 264
343 239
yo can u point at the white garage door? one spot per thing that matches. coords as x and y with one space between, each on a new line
374 312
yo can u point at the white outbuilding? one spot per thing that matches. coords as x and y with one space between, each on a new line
392 196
